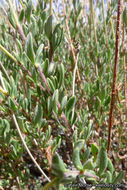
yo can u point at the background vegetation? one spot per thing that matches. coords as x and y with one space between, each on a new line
63 94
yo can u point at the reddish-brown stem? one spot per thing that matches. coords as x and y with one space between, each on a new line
25 69
41 73
47 87
119 11
43 79
124 66
51 52
20 31
64 118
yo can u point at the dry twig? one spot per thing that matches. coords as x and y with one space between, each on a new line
72 47
118 31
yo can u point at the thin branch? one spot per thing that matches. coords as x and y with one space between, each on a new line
51 7
73 87
124 67
43 78
19 27
27 149
118 31
15 60
74 76
21 3
2 82
49 91
18 182
3 91
9 54
3 8
71 46
5 72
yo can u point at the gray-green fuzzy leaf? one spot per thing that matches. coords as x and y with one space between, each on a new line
119 177
58 166
110 166
102 160
48 27
29 48
37 114
29 10
70 103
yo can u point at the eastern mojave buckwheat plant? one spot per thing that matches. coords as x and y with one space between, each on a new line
63 94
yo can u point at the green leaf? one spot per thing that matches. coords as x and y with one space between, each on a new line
45 66
55 99
29 48
29 79
57 36
86 154
72 120
50 84
11 18
34 74
43 14
102 160
14 150
25 29
125 16
89 165
55 80
28 11
49 105
107 100
49 185
88 130
21 16
48 27
110 166
102 95
70 103
76 159
118 178
75 135
109 177
64 102
12 104
76 155
26 104
39 52
21 120
37 114
90 174
33 27
58 166
48 133
13 87
94 150
79 144
6 127
51 68
19 47
61 72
